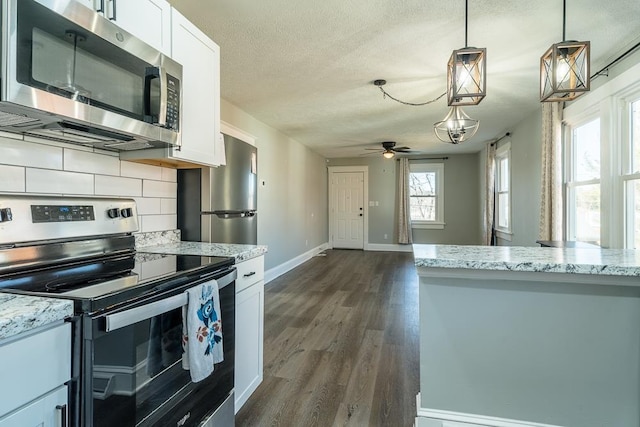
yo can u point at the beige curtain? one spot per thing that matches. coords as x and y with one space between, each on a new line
551 212
490 175
404 210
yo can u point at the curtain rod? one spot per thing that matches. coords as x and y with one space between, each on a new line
424 158
501 138
610 64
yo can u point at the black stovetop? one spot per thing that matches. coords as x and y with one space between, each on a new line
95 284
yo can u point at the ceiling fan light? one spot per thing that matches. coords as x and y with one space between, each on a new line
456 127
466 76
388 154
565 71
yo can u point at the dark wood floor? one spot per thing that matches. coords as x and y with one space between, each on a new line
340 344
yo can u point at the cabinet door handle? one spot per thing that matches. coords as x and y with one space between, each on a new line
250 274
113 10
63 415
100 8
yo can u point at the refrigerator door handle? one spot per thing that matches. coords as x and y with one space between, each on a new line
230 214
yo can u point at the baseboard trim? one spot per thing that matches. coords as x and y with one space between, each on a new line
461 419
382 247
279 270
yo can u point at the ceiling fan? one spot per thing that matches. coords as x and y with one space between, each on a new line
389 149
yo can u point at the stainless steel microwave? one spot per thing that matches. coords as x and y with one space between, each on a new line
69 74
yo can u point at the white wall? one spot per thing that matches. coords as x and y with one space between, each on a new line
38 166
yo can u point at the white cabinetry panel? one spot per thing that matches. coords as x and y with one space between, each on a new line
24 376
249 329
44 412
200 59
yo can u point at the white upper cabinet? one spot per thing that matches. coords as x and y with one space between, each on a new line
148 20
200 59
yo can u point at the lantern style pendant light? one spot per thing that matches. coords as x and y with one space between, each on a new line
564 68
456 127
466 72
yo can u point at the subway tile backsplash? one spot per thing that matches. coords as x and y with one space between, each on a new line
45 167
58 182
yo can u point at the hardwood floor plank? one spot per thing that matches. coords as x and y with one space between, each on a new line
341 344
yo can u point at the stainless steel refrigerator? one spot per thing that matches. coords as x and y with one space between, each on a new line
219 205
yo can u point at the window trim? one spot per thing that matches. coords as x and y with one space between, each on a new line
607 101
627 174
502 152
569 166
438 168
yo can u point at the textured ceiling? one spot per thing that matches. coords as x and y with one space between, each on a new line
306 67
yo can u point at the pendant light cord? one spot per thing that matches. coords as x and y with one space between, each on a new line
564 20
466 23
386 95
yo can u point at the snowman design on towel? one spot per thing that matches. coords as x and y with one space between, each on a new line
212 328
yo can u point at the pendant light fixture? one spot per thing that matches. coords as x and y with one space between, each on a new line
456 127
466 72
564 68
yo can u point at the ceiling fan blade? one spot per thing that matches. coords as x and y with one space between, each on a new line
368 154
374 149
401 148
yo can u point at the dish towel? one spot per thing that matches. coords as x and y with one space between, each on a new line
202 330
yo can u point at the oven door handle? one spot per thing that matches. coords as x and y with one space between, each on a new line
134 315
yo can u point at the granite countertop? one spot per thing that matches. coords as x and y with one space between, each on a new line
609 262
239 252
20 313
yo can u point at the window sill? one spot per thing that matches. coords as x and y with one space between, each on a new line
428 225
504 235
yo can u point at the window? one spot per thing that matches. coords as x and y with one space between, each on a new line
602 196
632 178
583 183
502 188
426 191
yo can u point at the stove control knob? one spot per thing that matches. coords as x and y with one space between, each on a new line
6 215
113 213
126 212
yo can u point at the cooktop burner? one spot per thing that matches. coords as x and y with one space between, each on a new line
96 284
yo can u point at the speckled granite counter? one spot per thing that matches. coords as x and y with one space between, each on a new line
239 252
608 262
20 313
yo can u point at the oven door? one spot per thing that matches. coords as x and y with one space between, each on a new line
137 378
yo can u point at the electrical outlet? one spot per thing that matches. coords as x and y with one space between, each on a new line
385 237
306 243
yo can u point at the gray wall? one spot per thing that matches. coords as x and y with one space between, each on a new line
292 203
462 200
526 153
526 164
382 188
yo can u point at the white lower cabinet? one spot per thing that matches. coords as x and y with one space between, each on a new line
249 329
47 411
34 393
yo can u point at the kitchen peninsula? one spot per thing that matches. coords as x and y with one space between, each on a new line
514 336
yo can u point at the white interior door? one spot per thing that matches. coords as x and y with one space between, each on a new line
348 210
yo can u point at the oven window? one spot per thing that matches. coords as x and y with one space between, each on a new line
138 368
60 57
138 378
